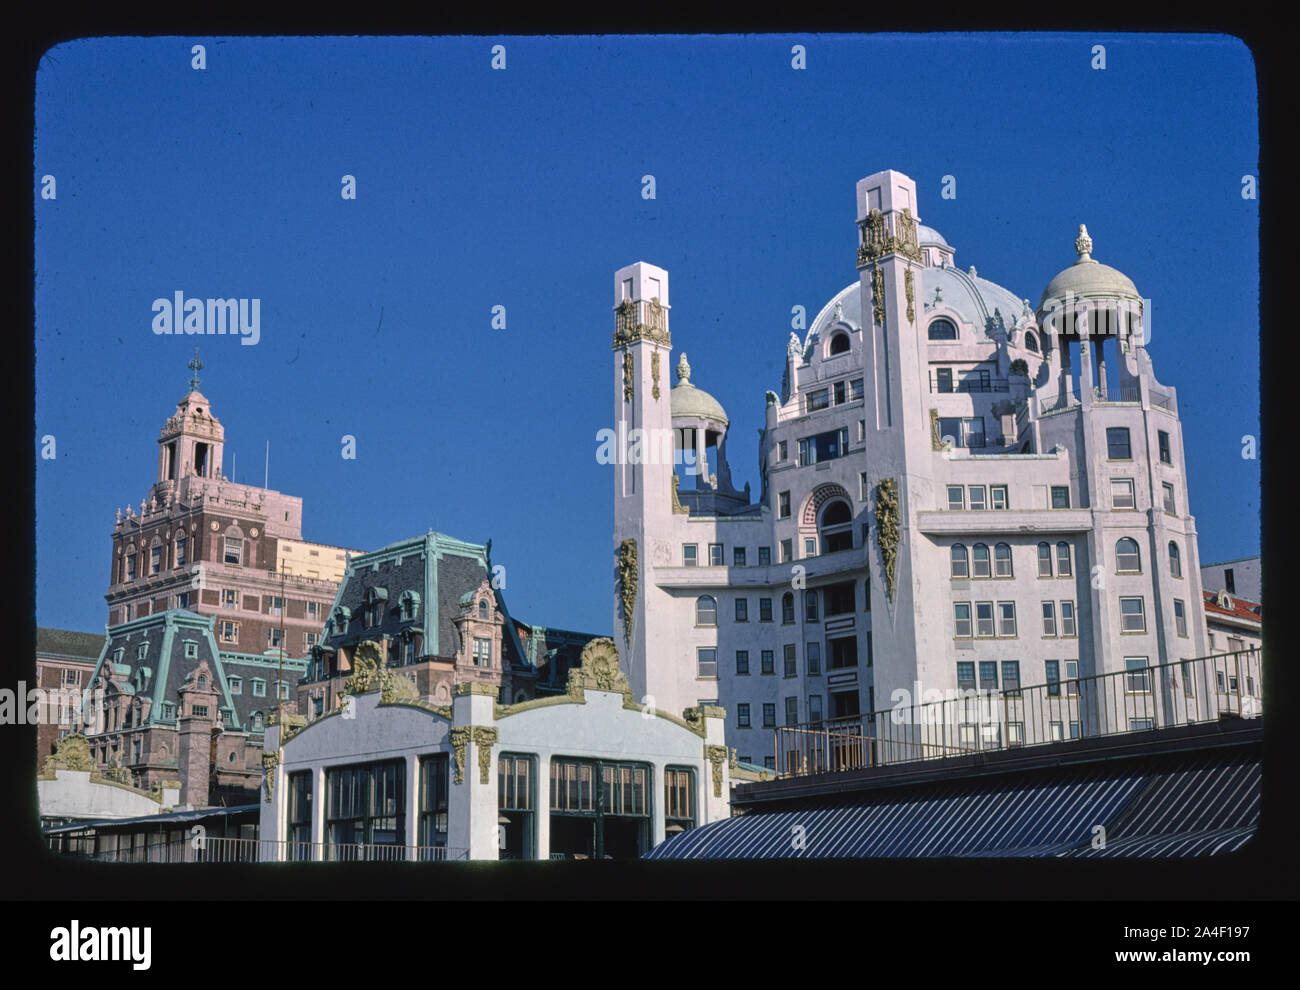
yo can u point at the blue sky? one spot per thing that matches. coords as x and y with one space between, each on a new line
522 188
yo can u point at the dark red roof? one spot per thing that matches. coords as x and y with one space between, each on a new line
1242 608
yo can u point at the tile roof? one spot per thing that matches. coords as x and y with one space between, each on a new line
68 643
1242 608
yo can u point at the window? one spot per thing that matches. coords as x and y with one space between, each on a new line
855 389
1121 494
434 791
823 447
706 662
839 343
408 649
738 557
706 611
811 600
1031 343
1163 439
689 558
742 609
1180 618
980 561
1189 682
791 711
142 651
715 554
769 762
942 329
820 399
191 651
837 391
230 632
1132 615
282 690
956 498
961 619
810 547
837 527
1011 678
791 664
863 487
1074 730
813 653
787 608
943 380
965 675
983 618
1044 560
1006 618
768 660
183 600
742 715
1067 619
769 714
742 662
1052 669
764 556
1002 560
236 685
259 688
765 610
229 598
273 638
975 494
155 559
787 551
315 610
168 710
1049 618
1060 496
482 652
1229 581
180 549
960 567
782 450
1072 681
365 806
988 675
1175 560
1170 506
783 505
1063 567
234 550
973 431
483 608
130 564
998 496
1128 558
1138 679
277 606
1117 444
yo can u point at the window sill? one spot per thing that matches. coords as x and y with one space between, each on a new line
1132 632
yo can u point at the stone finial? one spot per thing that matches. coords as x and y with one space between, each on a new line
683 370
972 271
839 311
119 515
1083 244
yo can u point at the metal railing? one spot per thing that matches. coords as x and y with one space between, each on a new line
235 850
1180 692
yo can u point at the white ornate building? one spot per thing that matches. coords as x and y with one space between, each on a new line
959 488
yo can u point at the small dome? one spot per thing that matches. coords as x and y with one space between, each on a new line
1088 279
928 235
687 401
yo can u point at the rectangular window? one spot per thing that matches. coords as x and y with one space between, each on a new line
791 711
975 493
821 399
315 610
965 675
838 391
791 666
180 550
956 498
840 597
1053 672
1067 619
814 708
769 714
988 675
742 715
813 653
768 660
689 555
482 652
183 600
1049 618
1006 618
1189 681
191 651
1163 438
201 711
787 551
715 554
234 550
862 431
282 689
309 640
1117 444
229 598
742 662
783 505
706 662
998 496
516 803
236 685
434 805
811 604
827 446
1180 618
1121 494
1170 506
1138 680
983 618
742 609
1132 613
1074 730
1060 496
863 487
810 547
1139 724
783 450
273 638
277 606
230 632
950 430
1011 678
1055 731
300 817
943 380
961 618
855 389
764 556
1063 562
1044 560
737 556
259 688
973 431
765 610
155 560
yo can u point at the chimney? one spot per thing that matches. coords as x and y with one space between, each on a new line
198 711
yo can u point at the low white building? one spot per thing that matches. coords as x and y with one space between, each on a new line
586 774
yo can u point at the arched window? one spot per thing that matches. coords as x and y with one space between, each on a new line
787 608
130 564
942 329
706 611
837 527
1063 559
482 608
960 568
1044 560
1175 560
1031 342
203 682
180 549
1002 561
979 561
839 344
1128 559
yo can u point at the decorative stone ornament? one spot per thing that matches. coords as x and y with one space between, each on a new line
459 736
911 296
887 528
269 762
628 390
627 583
484 738
878 296
716 755
654 372
1083 244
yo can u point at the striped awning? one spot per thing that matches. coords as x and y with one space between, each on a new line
1194 806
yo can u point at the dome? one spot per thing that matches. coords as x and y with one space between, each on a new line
1087 278
928 235
976 300
689 402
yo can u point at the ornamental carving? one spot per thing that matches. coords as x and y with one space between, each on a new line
677 502
911 295
269 762
459 736
627 580
887 528
878 296
654 372
640 321
72 753
597 670
628 390
936 441
878 242
716 755
484 738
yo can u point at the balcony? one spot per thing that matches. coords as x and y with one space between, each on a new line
971 383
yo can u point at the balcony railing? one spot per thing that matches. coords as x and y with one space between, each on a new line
233 850
1181 692
972 383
